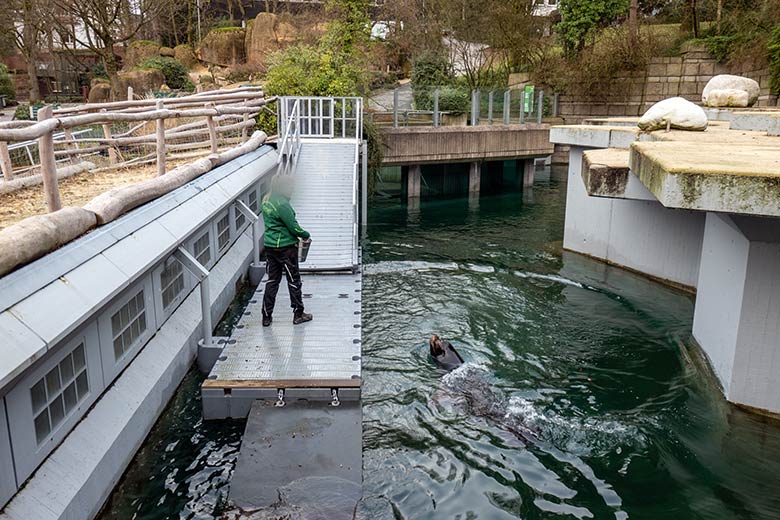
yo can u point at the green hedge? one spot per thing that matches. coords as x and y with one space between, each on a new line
774 61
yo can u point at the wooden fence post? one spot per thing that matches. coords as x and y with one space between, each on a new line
51 188
107 135
5 162
212 131
160 141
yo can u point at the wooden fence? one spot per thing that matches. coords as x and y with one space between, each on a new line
119 134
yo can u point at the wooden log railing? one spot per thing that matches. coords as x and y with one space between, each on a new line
210 119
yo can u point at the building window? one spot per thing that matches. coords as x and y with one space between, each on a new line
202 250
59 392
172 281
223 232
240 218
253 201
128 323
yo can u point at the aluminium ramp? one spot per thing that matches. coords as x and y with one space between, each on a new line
325 202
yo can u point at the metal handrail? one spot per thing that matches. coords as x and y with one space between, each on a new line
291 140
316 118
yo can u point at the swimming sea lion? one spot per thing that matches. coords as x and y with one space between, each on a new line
445 354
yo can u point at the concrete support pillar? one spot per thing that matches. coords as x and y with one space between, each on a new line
475 177
737 316
529 168
414 182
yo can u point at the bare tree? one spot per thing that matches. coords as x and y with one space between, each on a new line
99 25
28 29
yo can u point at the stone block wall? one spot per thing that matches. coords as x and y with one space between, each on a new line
684 76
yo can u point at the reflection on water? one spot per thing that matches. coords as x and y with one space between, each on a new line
576 400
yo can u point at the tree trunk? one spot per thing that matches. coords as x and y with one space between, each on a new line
694 19
30 38
633 24
718 15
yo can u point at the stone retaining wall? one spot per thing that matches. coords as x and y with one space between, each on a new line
684 76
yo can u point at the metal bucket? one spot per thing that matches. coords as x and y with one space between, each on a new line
303 249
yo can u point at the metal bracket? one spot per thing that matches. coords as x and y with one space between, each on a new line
190 263
280 399
335 394
248 213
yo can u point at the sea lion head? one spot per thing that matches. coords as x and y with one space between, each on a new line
437 349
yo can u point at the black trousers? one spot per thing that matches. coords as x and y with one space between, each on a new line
280 262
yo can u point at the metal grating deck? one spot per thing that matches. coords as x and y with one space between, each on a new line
325 203
324 353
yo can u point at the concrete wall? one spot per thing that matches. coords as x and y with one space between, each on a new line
637 234
420 145
737 317
684 76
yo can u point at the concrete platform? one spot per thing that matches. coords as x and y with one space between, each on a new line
712 176
304 458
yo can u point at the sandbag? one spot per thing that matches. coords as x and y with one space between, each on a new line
675 112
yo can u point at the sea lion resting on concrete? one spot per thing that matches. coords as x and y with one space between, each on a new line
445 354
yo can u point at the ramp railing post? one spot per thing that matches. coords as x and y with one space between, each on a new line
202 274
364 194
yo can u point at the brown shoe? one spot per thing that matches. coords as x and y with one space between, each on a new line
302 318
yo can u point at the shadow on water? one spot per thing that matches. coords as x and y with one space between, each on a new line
576 400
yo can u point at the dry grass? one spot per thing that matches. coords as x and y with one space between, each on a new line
75 191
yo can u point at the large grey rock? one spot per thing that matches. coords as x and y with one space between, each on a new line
676 113
729 82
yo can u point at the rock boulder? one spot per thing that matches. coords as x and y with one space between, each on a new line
167 52
139 51
267 34
223 47
142 81
99 92
185 55
729 82
676 112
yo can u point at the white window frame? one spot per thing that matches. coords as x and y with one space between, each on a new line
230 232
189 283
190 243
111 366
28 454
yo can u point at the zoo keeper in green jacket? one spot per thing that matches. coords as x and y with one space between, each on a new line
281 244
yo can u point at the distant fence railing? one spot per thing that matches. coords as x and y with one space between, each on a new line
324 117
454 106
122 134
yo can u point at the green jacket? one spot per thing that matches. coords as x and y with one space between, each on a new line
281 228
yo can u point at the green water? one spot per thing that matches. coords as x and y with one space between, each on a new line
577 401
